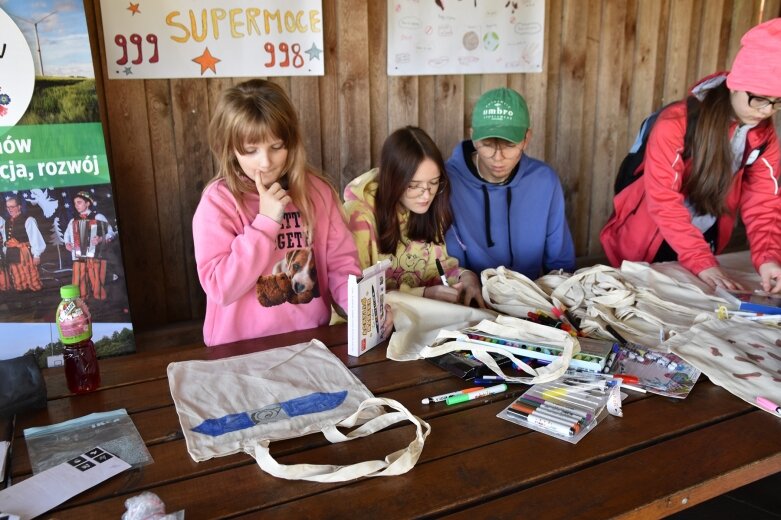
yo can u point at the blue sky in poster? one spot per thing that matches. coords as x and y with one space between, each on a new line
18 338
63 35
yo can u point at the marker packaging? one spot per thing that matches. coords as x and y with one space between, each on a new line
567 408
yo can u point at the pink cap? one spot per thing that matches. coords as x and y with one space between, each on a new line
757 66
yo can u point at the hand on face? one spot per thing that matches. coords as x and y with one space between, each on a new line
273 200
265 164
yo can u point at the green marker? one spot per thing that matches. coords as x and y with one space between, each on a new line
468 396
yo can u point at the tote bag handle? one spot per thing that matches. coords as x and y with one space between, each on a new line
396 463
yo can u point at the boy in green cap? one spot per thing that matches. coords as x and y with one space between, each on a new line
508 208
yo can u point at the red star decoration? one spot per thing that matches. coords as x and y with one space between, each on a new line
207 61
134 8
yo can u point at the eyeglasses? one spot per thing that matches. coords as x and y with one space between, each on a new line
12 207
418 189
506 148
762 102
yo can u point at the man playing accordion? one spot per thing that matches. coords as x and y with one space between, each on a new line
86 238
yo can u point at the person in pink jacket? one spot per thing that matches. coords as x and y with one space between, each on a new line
272 248
685 204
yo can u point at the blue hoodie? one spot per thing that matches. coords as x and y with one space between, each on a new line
519 224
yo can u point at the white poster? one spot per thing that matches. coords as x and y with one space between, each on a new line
465 36
212 38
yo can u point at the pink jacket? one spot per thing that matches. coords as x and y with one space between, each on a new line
652 209
262 277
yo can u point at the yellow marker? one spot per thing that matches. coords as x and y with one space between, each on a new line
722 313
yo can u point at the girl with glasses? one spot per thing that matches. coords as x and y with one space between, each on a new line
401 211
695 181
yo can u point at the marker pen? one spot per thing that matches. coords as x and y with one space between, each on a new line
544 423
442 397
571 413
441 272
626 378
768 405
548 414
468 396
634 388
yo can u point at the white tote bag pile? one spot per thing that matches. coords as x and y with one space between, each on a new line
244 403
641 303
427 328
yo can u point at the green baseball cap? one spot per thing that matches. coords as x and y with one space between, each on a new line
500 113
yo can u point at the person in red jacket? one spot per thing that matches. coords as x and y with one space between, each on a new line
685 204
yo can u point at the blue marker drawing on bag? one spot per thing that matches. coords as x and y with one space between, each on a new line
307 404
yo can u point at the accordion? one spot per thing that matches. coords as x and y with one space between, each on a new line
84 231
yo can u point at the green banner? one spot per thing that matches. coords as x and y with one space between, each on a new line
52 156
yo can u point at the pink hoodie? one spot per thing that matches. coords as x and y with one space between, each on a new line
259 276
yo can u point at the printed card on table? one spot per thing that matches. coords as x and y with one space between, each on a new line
48 489
366 309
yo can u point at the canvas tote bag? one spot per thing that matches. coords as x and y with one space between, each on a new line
245 402
637 300
741 356
422 325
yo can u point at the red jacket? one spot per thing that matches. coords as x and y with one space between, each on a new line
652 209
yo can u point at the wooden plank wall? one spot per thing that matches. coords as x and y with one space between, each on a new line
608 63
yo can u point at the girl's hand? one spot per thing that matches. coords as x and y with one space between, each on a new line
715 277
473 293
771 277
273 200
444 293
465 292
387 325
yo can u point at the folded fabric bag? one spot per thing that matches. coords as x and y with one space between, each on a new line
245 402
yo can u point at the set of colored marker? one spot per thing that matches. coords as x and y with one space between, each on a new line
566 408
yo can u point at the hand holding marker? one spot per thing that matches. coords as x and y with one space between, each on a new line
441 272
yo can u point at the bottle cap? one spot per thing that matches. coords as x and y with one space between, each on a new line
70 291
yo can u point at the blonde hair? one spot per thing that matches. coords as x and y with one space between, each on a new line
257 111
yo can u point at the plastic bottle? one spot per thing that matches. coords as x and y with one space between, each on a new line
75 327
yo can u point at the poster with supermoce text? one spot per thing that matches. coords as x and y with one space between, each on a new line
212 38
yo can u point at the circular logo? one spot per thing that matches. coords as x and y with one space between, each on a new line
17 72
490 41
471 40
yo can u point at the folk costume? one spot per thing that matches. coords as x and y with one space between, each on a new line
88 234
22 244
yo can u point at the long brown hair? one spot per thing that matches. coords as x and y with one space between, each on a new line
257 111
402 153
710 178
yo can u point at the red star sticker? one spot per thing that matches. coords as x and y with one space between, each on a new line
207 61
134 8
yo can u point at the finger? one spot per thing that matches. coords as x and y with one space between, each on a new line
259 184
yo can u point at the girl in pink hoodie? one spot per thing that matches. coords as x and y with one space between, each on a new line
272 248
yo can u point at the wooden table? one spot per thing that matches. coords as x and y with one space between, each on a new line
663 456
